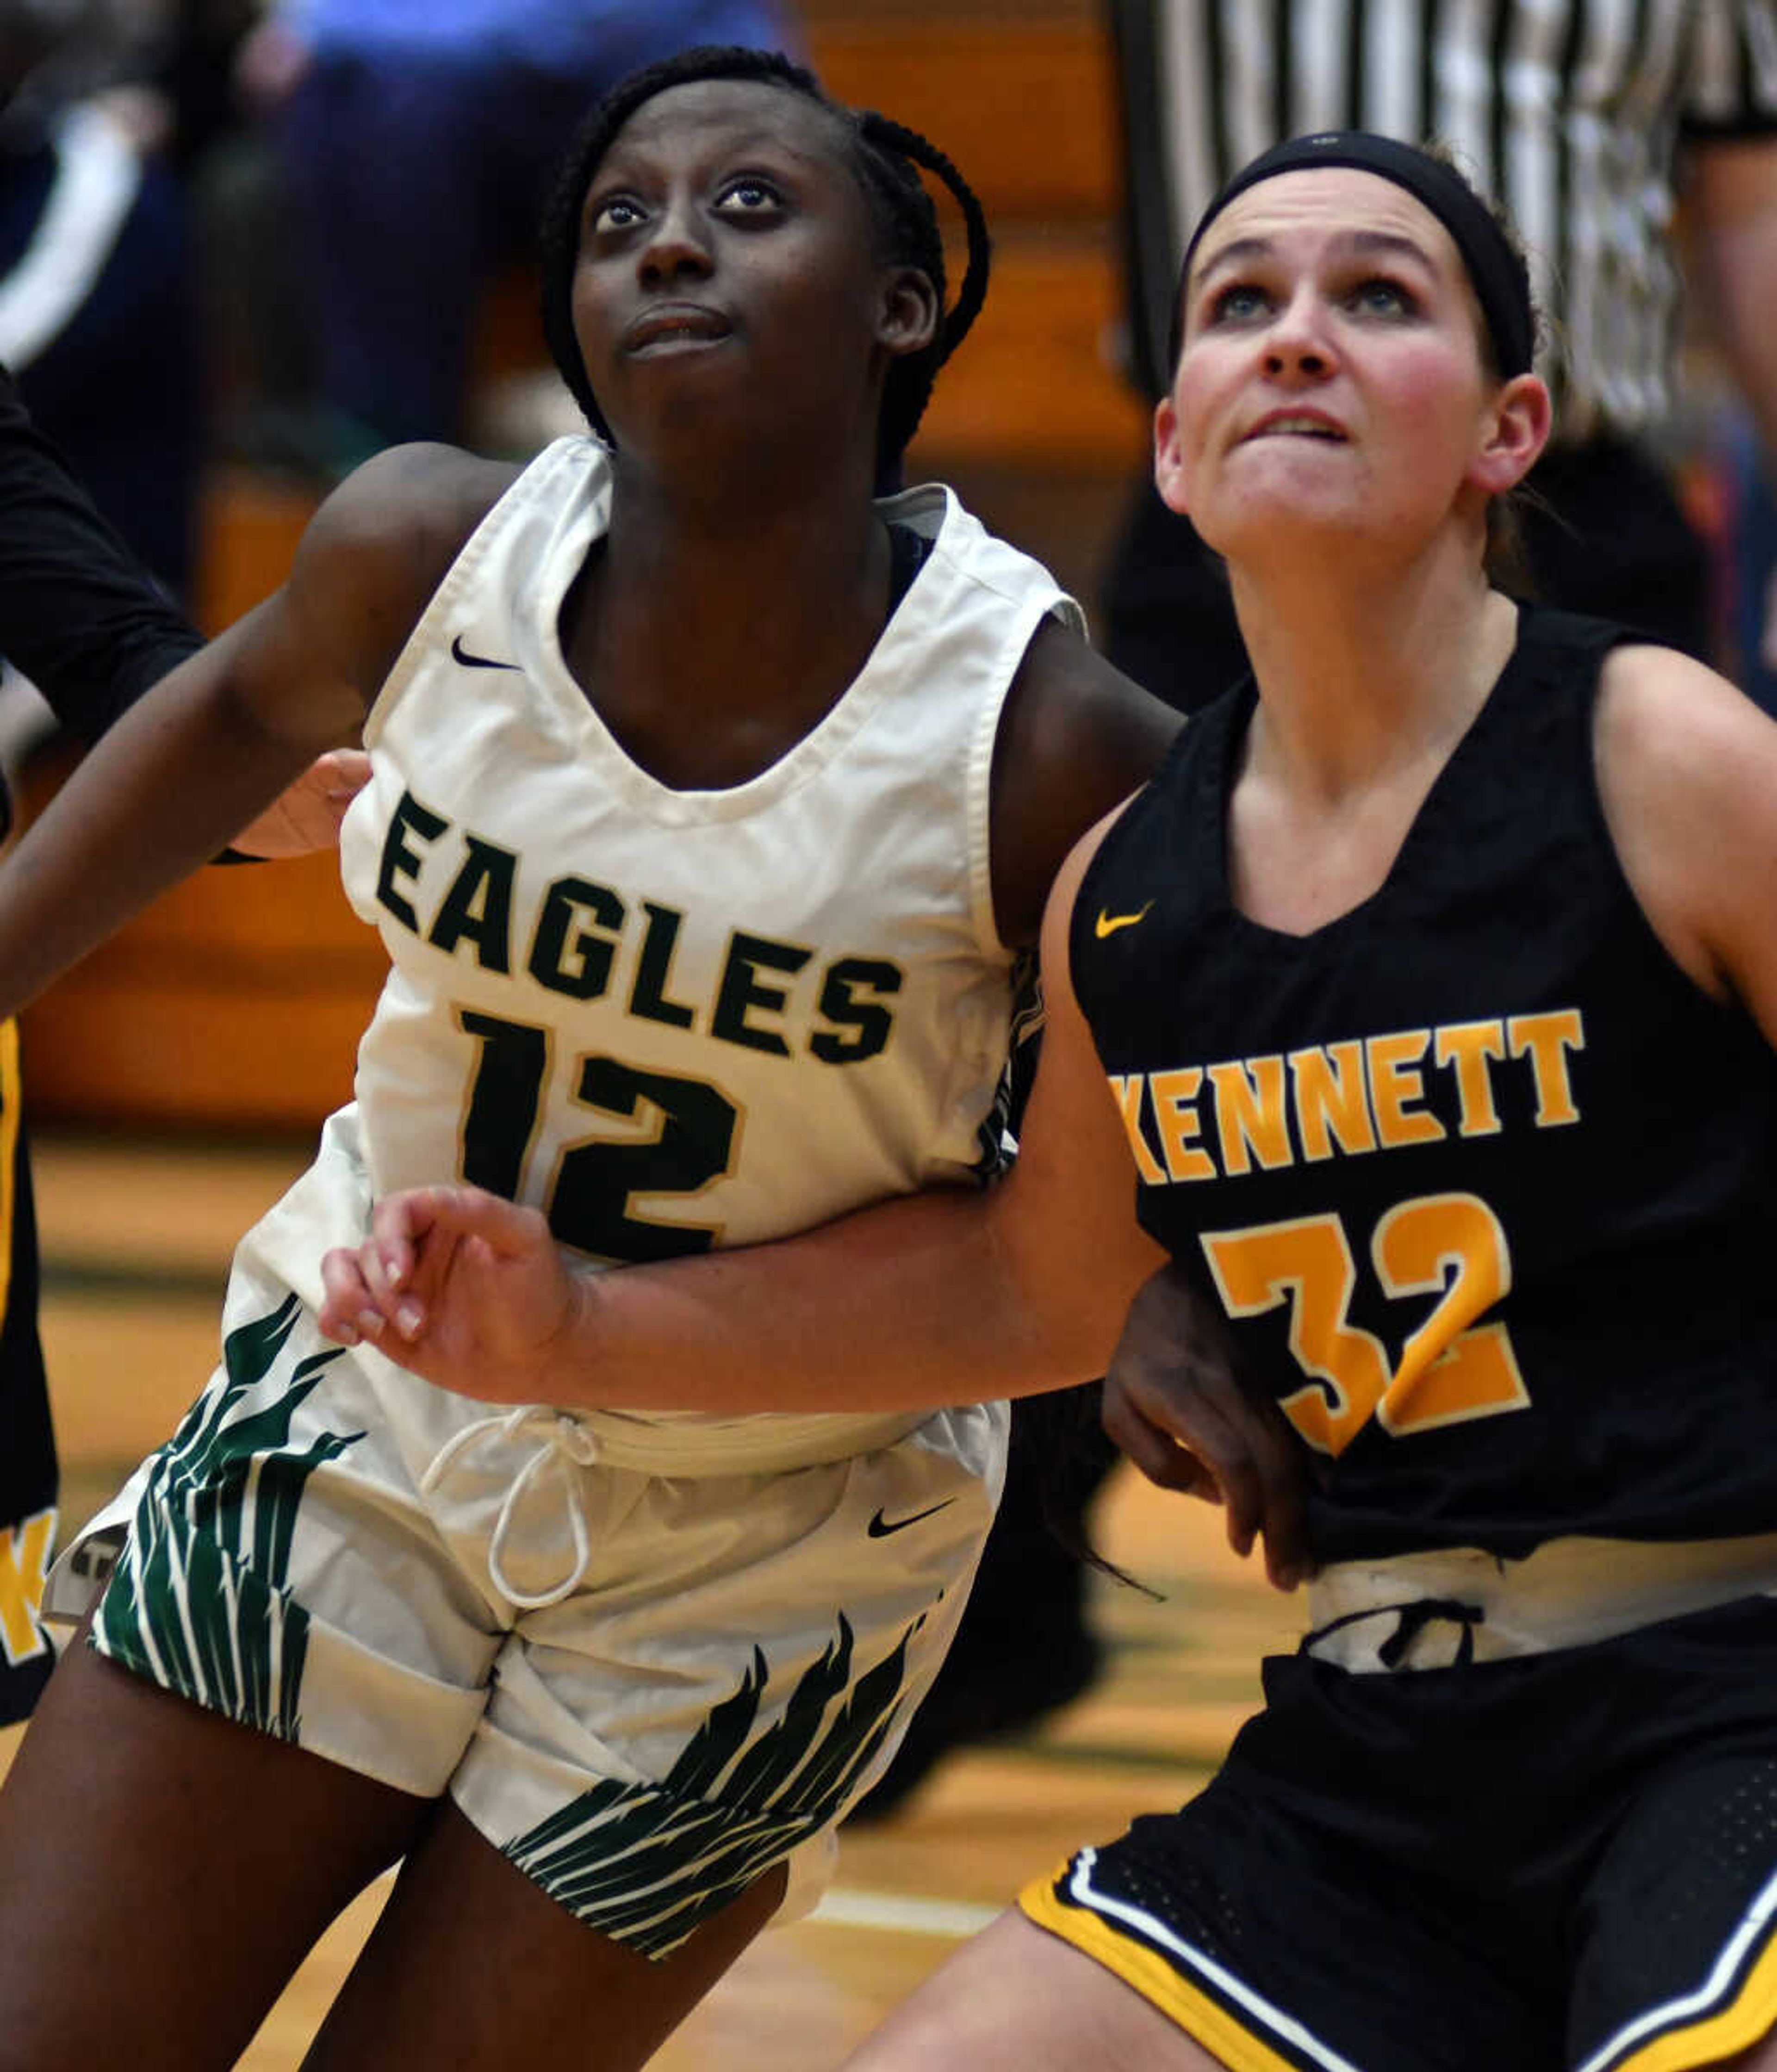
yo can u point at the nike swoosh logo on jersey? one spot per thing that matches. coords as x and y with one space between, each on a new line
1107 924
460 653
880 1527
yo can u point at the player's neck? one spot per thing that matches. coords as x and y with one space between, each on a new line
1355 678
788 608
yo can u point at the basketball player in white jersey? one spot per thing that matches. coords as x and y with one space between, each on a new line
713 799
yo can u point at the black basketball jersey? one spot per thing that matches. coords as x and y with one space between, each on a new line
1487 1185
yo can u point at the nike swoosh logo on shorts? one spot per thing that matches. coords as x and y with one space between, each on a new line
460 653
1107 924
880 1527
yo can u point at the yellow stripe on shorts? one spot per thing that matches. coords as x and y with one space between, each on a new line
1156 1980
1724 2031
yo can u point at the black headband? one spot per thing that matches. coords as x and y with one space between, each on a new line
1501 282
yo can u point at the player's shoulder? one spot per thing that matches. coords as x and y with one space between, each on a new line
413 504
1074 722
1674 742
377 549
1656 703
1687 771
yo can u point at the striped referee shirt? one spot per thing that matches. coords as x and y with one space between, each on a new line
1573 112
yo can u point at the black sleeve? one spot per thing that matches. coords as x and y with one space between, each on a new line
79 615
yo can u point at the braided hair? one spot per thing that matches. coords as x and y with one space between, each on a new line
884 157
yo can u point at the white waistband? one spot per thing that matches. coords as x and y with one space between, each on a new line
1430 1610
772 1442
563 1442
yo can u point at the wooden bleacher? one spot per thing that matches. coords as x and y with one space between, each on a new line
236 1002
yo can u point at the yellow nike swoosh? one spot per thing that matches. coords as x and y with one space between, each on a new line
1107 924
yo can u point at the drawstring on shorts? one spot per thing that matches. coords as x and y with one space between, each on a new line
1412 1618
561 1439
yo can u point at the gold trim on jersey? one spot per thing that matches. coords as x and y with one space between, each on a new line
9 1098
1160 1982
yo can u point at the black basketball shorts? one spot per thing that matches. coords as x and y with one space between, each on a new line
1564 1862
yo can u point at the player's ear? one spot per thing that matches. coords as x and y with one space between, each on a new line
908 320
1169 467
1514 428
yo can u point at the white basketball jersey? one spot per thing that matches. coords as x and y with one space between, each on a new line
674 1020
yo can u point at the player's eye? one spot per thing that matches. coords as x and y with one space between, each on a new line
616 213
750 195
1380 296
1240 301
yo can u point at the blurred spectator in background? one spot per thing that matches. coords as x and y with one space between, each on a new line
415 139
1588 123
97 310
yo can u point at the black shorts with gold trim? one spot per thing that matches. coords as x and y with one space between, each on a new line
27 1447
1558 1863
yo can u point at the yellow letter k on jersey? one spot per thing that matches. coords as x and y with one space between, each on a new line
24 1551
1107 924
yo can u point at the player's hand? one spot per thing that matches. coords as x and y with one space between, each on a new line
461 1287
1174 1402
307 816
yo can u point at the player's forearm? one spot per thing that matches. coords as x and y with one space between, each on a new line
912 1304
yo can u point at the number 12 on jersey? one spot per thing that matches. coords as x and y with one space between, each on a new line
1451 1370
690 1146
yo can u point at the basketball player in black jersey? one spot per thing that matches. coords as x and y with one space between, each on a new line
1434 982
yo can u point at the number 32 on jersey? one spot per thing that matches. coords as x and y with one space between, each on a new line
1451 1370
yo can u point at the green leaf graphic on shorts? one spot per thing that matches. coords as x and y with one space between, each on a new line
648 1864
197 1600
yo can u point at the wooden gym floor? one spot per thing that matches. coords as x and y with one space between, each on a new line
136 1238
